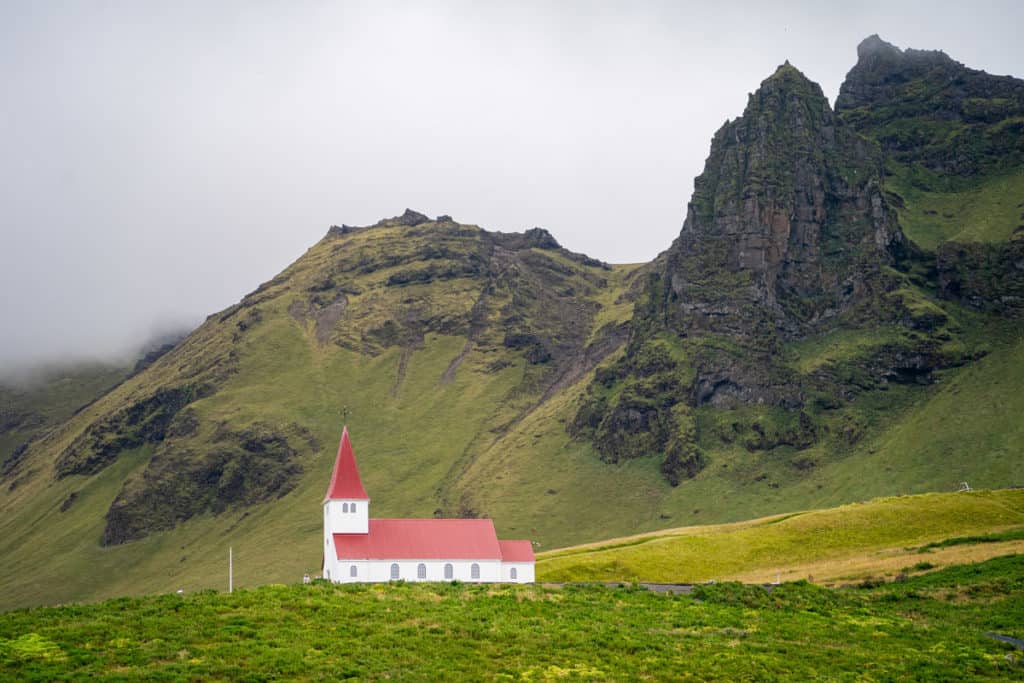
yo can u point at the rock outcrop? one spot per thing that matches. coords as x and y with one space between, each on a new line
925 108
787 227
984 277
788 235
793 233
947 128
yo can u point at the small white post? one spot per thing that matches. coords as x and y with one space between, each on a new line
231 570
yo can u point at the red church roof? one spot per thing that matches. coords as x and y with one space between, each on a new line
422 539
516 551
345 481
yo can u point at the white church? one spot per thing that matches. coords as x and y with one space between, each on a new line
358 549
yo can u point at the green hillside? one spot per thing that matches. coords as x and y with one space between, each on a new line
30 406
987 211
932 627
830 540
813 337
450 332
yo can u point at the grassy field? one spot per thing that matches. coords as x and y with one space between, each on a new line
930 627
848 543
989 212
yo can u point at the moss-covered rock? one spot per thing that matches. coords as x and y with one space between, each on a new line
234 469
145 421
985 277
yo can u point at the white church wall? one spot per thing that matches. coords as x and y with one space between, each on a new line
379 571
524 572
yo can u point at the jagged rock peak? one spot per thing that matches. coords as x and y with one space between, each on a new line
409 218
874 46
874 49
541 239
789 78
882 67
783 185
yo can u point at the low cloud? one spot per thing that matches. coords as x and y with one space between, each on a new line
159 163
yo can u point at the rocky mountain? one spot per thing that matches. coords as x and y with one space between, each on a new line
790 236
837 319
954 144
933 113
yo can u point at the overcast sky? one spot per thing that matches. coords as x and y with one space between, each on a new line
160 160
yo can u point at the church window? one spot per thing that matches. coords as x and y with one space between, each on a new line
474 571
353 572
344 507
394 571
449 571
352 508
421 571
512 573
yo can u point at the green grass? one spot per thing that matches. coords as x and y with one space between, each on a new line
703 553
1011 535
989 212
930 627
809 354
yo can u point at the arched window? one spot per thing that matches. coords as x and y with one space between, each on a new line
474 571
353 572
511 572
449 571
344 507
394 571
421 571
352 508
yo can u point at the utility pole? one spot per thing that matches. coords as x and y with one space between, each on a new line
231 570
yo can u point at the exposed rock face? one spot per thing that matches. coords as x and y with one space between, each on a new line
945 127
792 233
786 235
883 69
409 218
787 225
787 232
925 108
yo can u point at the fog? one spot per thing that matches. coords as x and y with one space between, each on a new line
160 160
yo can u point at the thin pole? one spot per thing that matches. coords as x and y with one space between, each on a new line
231 569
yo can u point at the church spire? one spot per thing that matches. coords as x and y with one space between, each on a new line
345 481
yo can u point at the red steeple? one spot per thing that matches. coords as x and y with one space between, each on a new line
345 482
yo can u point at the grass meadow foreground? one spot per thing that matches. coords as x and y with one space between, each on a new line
931 626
